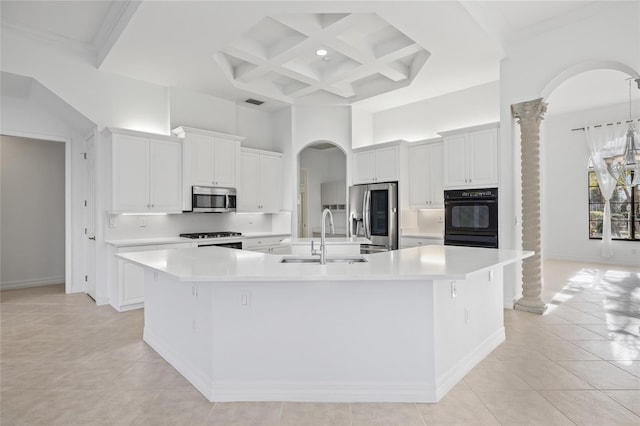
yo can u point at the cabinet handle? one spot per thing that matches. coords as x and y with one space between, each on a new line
453 290
148 206
153 205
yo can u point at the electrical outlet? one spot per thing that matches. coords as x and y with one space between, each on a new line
113 221
467 315
245 299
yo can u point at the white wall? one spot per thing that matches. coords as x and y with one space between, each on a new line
565 209
256 126
33 212
193 109
106 99
424 119
318 124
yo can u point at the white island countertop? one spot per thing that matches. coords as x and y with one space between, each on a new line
223 264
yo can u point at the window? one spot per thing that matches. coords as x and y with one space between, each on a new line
625 209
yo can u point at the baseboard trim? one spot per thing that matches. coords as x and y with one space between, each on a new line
446 381
595 259
13 285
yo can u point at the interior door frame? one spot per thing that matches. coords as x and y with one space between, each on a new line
68 234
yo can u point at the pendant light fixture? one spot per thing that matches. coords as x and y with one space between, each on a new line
630 157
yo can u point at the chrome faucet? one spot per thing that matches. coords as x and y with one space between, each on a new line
323 247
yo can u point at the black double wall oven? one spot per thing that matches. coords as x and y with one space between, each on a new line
471 217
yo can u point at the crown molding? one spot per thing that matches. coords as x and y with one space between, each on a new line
49 38
117 19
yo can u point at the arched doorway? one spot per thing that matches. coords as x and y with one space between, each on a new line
585 95
322 177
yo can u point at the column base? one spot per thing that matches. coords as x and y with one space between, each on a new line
535 307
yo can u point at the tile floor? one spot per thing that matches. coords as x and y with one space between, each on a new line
64 361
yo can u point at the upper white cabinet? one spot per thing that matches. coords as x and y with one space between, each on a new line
260 181
210 159
146 172
471 157
426 175
376 165
333 195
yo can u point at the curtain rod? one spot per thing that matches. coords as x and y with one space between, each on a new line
608 124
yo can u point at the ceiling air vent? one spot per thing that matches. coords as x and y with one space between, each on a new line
254 102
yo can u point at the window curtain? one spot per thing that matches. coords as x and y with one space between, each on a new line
605 141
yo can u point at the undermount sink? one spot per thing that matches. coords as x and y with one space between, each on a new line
346 259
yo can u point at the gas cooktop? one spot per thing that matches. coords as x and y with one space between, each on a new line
221 234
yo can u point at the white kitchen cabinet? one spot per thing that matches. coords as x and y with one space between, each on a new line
376 165
471 157
270 245
209 159
426 176
146 172
333 195
260 181
127 278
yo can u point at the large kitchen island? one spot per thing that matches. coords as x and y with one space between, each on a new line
405 325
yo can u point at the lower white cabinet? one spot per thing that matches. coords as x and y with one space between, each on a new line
126 286
270 245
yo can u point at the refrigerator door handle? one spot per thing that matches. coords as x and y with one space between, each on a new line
365 214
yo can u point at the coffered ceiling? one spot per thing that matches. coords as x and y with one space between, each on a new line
380 54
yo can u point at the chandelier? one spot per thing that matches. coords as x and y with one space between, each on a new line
617 165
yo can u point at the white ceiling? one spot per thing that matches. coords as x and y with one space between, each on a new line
207 45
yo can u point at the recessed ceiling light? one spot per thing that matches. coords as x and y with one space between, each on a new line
321 52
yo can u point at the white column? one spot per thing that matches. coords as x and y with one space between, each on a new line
529 115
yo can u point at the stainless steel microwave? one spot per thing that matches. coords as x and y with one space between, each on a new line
206 199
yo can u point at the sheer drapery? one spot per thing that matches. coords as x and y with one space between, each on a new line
605 141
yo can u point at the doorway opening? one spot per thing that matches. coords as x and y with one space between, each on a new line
322 171
34 225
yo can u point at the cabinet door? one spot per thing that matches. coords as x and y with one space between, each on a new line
132 282
247 199
130 174
455 168
387 164
165 187
419 162
327 193
201 153
270 183
436 175
341 193
224 163
364 167
483 158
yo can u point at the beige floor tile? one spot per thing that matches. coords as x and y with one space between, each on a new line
546 375
562 350
516 350
628 398
572 332
494 375
602 374
152 375
632 367
183 407
609 350
522 407
315 414
387 414
591 408
460 406
575 316
246 414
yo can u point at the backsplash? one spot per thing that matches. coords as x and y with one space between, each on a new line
431 221
128 227
427 221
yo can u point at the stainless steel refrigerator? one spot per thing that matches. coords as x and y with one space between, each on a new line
373 214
